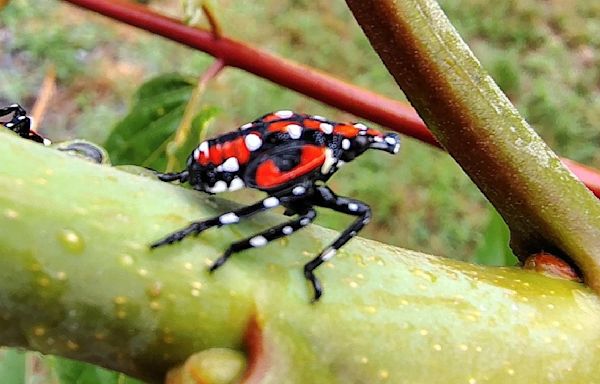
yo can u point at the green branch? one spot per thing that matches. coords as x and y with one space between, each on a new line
545 206
77 279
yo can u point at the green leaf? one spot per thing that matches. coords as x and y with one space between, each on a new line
154 116
494 249
12 366
74 372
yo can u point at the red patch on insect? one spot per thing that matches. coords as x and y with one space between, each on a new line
312 124
346 130
279 126
269 176
269 118
551 265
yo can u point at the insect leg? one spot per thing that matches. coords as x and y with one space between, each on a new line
324 197
231 217
306 216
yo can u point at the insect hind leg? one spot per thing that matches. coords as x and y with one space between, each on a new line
325 197
306 216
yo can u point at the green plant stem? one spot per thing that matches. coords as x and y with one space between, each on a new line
77 279
544 205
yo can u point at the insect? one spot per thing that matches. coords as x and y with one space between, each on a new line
289 156
21 124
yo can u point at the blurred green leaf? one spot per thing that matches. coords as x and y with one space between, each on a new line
494 249
74 372
141 137
12 366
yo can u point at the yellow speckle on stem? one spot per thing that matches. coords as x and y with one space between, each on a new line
71 240
11 213
384 374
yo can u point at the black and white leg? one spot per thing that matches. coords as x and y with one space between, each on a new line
324 197
182 177
21 124
233 217
306 215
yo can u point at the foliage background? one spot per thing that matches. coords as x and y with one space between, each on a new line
545 56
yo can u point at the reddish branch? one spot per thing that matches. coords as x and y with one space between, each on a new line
393 114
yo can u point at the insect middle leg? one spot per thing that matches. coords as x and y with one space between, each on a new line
325 197
306 215
232 217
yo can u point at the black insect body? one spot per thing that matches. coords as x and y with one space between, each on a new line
289 156
21 124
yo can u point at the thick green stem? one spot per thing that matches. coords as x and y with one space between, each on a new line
544 205
77 279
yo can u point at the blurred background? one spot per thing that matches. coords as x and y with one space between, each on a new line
544 54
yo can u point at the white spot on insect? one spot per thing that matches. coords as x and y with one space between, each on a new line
299 190
397 148
21 117
346 144
294 130
340 163
360 126
8 125
219 168
390 140
305 221
196 154
231 165
229 218
220 186
203 147
378 139
246 126
271 202
236 184
329 161
14 106
47 142
258 241
326 128
353 207
319 117
328 254
284 114
253 142
287 230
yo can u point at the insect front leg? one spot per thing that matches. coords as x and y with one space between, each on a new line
232 217
306 216
325 197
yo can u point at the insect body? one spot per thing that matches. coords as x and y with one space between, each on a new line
289 156
21 123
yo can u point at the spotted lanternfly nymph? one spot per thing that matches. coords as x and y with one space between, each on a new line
21 124
289 156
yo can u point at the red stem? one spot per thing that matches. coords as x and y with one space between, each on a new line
393 114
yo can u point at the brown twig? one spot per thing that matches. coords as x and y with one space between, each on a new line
183 131
43 98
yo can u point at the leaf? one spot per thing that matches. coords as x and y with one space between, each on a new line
75 372
154 116
494 249
12 366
